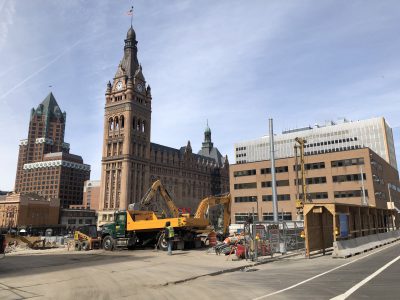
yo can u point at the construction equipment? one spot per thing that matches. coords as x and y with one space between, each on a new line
211 201
300 200
136 227
157 186
86 238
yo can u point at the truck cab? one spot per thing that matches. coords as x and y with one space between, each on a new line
115 234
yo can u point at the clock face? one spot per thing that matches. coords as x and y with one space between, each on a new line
119 85
139 87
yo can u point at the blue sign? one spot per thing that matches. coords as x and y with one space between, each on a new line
344 226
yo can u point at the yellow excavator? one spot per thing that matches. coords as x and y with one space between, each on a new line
212 201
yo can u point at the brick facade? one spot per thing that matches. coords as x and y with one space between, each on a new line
332 177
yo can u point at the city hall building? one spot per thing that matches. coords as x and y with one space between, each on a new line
130 162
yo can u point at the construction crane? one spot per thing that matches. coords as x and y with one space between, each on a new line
303 199
211 201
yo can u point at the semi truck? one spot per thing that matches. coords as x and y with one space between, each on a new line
139 227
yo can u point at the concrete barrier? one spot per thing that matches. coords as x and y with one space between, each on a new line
346 248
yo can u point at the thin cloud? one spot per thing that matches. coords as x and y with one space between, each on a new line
39 70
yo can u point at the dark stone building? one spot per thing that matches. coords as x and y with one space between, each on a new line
45 166
131 162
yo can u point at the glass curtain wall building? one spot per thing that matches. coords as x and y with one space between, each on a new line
341 135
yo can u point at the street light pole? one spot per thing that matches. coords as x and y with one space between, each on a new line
272 157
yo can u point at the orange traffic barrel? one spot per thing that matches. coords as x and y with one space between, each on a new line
212 238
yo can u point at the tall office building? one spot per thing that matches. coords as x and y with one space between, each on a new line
330 137
45 166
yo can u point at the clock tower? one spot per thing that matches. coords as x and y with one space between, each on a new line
126 141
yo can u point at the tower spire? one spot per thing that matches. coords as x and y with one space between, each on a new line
207 144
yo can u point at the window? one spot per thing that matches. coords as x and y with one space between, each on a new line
347 162
244 173
313 180
241 218
283 197
320 195
348 177
311 166
285 216
246 199
283 169
350 194
241 186
278 183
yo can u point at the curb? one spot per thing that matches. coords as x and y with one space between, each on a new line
235 269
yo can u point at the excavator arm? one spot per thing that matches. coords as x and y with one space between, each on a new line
213 201
157 186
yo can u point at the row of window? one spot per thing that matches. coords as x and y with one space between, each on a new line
311 196
350 194
313 180
283 169
323 151
278 183
282 197
349 177
339 141
347 162
241 218
309 166
309 181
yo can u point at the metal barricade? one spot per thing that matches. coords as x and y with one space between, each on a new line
267 238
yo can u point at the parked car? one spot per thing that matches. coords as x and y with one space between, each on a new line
2 245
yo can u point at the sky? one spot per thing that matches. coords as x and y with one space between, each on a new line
233 63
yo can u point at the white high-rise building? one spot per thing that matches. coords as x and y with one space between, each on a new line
332 136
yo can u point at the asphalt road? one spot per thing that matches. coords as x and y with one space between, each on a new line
148 275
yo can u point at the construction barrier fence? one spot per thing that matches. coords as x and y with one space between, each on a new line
269 238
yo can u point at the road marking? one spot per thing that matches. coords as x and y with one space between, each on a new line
322 274
361 283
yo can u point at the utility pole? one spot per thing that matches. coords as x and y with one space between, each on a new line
272 155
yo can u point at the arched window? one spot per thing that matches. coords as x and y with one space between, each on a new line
143 125
134 123
111 124
138 125
116 123
122 121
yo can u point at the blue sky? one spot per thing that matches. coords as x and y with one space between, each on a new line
235 63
